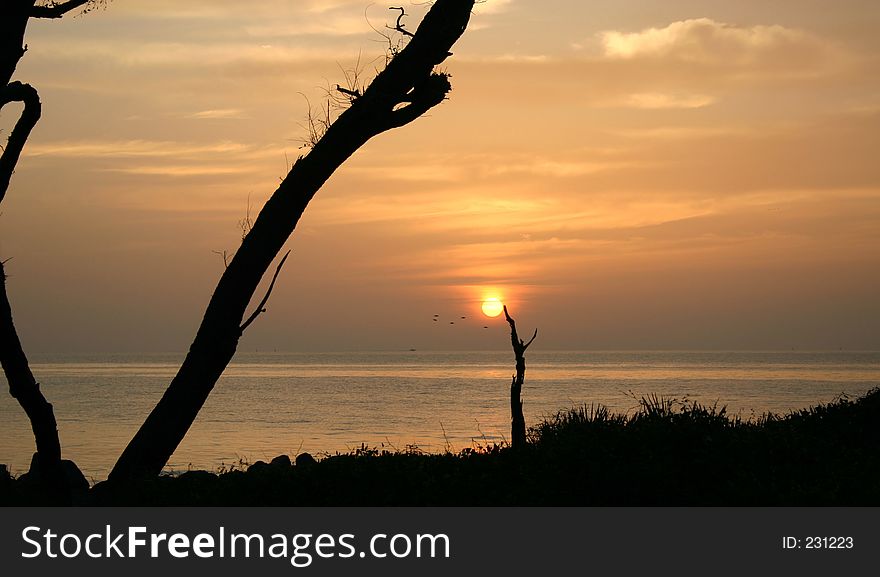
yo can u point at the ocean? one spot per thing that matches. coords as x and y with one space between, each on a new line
268 404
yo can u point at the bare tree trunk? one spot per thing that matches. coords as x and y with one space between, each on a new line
22 384
47 465
25 389
517 421
15 15
406 89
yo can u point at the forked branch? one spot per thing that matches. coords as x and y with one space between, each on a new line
519 346
399 25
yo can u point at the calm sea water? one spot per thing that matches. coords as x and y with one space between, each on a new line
269 404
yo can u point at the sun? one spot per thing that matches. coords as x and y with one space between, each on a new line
492 307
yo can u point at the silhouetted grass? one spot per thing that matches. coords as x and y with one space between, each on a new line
664 453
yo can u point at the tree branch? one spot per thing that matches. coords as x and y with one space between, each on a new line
531 340
261 307
519 346
421 99
350 93
217 338
17 92
399 25
56 9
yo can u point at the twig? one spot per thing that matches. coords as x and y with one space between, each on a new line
399 26
224 256
261 307
448 446
246 224
351 93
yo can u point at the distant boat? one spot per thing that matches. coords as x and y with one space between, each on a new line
412 350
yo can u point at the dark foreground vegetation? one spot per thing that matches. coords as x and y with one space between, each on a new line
667 453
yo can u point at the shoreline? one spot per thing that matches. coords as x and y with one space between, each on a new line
666 454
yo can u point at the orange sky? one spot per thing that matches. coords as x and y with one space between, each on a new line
625 175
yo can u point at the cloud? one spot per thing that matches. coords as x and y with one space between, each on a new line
492 6
133 148
225 114
340 24
686 132
659 101
183 170
708 41
159 158
487 165
201 10
197 55
524 58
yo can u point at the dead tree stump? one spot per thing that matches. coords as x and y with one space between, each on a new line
517 421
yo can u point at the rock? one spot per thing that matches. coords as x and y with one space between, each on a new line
258 467
72 490
280 462
74 477
305 460
5 477
74 480
197 477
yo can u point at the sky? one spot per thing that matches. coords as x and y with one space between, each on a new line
623 174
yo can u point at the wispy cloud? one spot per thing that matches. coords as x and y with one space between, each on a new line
134 148
182 170
483 166
706 40
192 54
492 6
161 158
351 23
660 101
221 114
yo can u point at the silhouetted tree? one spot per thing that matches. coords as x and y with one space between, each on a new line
409 86
517 421
14 17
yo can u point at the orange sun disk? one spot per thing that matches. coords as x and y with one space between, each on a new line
492 307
